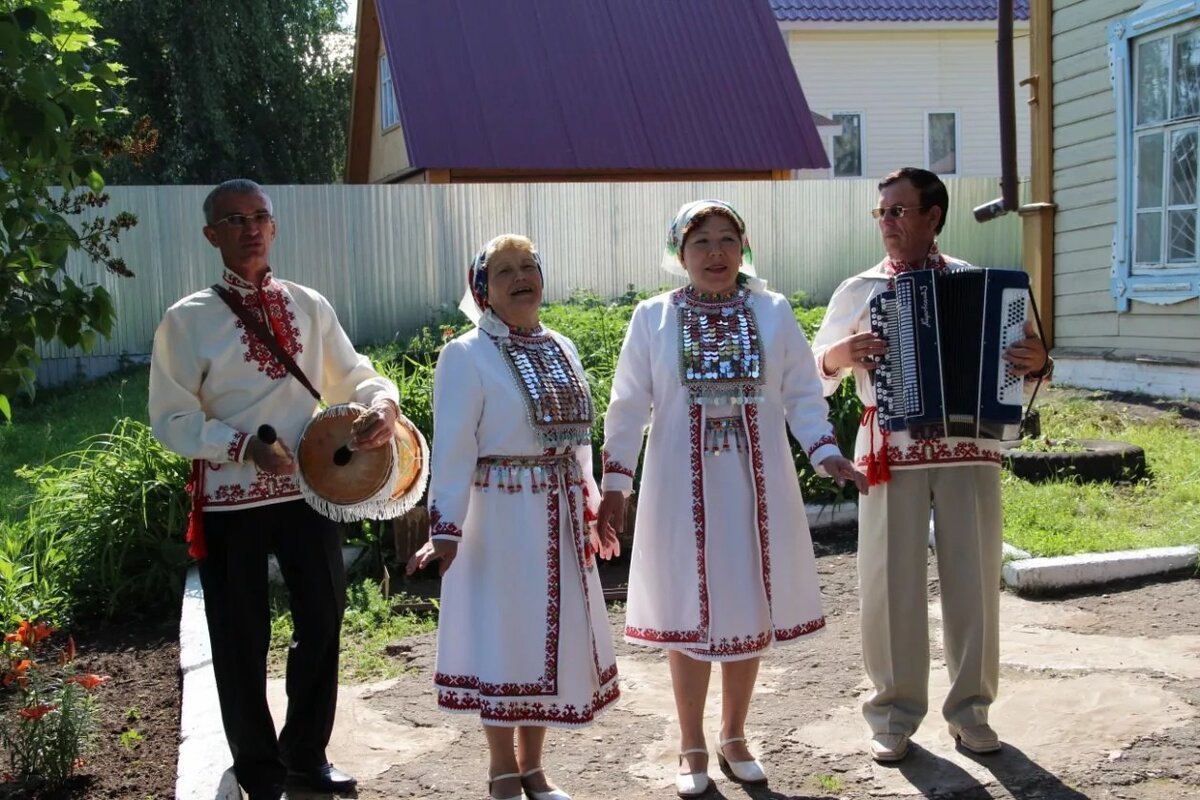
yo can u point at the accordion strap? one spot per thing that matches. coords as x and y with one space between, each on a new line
259 329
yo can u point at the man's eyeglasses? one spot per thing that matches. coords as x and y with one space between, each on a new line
242 220
896 211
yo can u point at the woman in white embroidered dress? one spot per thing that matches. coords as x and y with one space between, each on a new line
523 636
722 561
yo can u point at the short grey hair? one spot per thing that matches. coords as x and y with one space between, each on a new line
232 186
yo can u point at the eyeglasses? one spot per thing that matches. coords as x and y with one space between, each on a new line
896 211
242 220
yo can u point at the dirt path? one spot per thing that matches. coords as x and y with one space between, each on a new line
1100 696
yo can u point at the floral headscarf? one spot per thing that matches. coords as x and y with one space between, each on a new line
474 301
672 262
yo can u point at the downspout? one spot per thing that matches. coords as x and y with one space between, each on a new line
1008 119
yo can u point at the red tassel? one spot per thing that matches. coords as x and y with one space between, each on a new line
877 460
197 548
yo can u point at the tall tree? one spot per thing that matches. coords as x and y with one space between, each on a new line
59 97
251 89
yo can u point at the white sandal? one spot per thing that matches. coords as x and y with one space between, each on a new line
493 778
553 794
750 772
691 784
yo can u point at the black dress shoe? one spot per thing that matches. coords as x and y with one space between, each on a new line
325 778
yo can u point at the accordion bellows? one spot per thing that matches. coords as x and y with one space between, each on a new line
943 373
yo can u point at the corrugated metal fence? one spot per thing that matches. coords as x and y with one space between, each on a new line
388 257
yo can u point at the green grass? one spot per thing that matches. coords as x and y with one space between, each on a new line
1064 518
58 421
368 628
829 783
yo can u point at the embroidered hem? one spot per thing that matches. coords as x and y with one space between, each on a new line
510 713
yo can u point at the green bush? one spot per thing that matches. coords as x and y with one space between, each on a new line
106 524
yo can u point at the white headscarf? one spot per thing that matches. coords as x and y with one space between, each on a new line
671 261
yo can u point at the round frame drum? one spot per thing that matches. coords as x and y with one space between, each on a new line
350 485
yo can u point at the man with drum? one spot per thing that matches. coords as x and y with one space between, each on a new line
957 477
224 397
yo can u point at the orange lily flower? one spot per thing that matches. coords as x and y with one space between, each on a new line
17 674
29 634
68 653
34 713
88 682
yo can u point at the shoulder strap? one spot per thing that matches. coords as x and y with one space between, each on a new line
260 330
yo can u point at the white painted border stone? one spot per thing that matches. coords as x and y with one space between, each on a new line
827 516
1063 572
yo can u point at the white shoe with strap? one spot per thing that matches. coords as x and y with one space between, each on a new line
552 794
691 784
493 778
750 772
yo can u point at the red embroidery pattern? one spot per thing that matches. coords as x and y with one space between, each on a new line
282 322
824 440
468 693
614 466
267 485
760 497
439 528
802 629
235 446
932 452
226 495
548 683
700 633
737 646
579 534
531 712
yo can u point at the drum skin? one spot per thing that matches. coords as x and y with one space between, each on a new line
360 478
410 460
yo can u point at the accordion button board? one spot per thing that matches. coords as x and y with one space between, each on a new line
943 373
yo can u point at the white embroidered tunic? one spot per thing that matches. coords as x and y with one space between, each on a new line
213 383
722 562
849 313
523 634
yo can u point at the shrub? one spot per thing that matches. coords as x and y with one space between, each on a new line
117 507
54 719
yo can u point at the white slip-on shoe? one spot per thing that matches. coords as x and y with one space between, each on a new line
888 748
493 778
691 784
980 739
750 772
552 794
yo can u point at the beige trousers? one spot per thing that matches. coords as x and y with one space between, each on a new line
892 555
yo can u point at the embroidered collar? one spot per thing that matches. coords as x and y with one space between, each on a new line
527 333
932 260
697 296
235 281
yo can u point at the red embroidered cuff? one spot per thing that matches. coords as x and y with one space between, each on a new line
236 451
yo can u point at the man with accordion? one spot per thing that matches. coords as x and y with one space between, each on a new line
940 353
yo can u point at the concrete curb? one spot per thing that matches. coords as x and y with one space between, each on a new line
828 516
1065 572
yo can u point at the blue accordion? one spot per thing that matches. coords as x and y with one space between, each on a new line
946 330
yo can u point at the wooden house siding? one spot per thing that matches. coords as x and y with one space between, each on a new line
1085 190
849 70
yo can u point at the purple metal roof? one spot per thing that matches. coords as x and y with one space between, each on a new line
597 85
892 10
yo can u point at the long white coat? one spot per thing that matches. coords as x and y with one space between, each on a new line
722 562
523 634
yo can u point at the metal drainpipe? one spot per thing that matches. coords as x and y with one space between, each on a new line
1006 89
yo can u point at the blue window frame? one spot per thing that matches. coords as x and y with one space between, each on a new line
1155 58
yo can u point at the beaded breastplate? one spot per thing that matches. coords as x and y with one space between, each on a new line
557 400
720 350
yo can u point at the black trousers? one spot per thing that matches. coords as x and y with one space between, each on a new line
234 577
